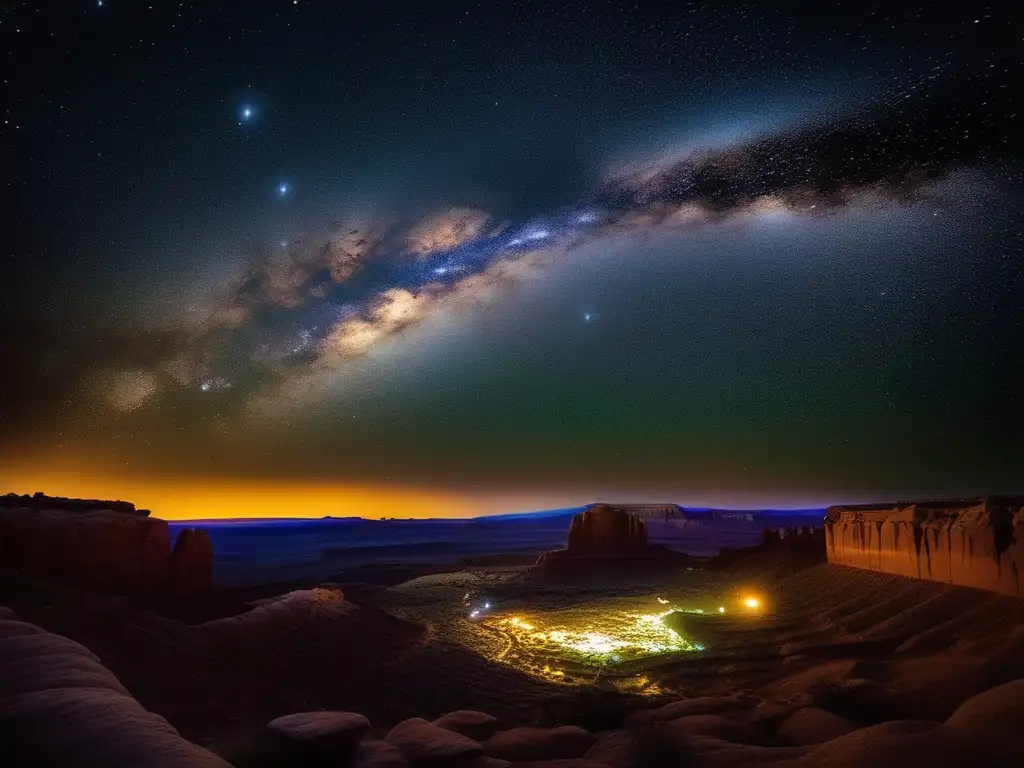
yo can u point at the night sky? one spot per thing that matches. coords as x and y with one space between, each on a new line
301 257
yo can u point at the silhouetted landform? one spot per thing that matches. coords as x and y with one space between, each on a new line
120 549
968 542
59 705
605 532
788 549
40 500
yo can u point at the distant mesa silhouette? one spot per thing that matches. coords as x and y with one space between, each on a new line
604 533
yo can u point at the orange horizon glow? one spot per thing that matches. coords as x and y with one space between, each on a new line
191 499
203 498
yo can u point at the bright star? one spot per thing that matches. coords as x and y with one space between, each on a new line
586 317
282 189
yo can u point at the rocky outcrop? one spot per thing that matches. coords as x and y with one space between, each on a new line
603 533
972 543
526 743
478 726
191 566
602 528
425 744
318 736
104 549
60 706
40 500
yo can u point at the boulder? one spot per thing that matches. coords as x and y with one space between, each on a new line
862 701
377 754
485 761
478 726
702 705
995 716
529 743
810 725
191 567
318 734
713 726
569 762
714 753
425 744
618 748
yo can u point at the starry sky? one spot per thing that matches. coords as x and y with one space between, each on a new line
303 258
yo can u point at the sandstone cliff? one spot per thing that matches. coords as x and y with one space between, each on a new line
970 542
103 548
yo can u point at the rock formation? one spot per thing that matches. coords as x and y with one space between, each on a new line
603 528
607 533
60 706
191 567
103 545
971 542
40 500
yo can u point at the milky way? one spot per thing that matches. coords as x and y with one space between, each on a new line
312 304
685 250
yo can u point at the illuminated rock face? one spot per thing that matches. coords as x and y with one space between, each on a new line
605 529
104 549
972 543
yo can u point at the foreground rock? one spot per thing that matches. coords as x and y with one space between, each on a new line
425 744
995 716
377 754
810 725
523 744
318 735
702 705
60 706
478 726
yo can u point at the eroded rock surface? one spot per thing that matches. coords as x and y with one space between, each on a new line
425 744
318 734
478 726
972 543
527 743
60 706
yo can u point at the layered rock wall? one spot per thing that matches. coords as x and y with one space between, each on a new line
107 549
972 543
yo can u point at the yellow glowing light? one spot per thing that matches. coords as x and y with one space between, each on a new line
752 602
617 635
721 609
663 602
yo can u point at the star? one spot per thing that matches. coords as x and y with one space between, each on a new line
283 189
587 317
